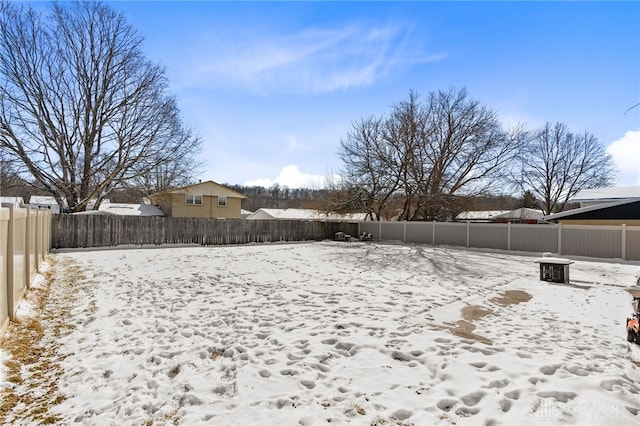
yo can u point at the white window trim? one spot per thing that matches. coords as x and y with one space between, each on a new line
226 202
193 198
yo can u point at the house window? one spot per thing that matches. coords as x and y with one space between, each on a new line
194 200
222 201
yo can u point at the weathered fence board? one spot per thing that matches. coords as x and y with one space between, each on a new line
76 231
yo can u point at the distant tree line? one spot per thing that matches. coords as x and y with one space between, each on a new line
276 197
281 197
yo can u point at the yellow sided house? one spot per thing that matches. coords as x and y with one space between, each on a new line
205 199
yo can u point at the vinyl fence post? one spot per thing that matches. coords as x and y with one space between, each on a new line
559 238
623 250
27 248
509 236
433 233
37 231
404 235
468 229
11 308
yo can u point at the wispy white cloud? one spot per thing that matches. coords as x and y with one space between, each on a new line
626 154
292 177
309 61
294 145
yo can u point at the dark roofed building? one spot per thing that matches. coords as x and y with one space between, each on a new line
623 212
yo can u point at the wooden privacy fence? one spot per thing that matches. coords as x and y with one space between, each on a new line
75 231
615 242
24 244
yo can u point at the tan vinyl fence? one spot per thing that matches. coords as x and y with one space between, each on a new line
24 243
614 242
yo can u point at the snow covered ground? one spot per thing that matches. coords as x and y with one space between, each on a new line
343 333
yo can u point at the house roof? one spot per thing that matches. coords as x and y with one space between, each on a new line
16 201
631 202
131 209
46 200
481 214
607 194
42 199
205 188
522 214
123 209
303 214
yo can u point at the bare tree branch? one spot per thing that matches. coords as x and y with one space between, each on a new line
630 108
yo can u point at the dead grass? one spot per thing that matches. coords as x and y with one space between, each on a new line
465 328
216 353
32 343
173 417
512 297
358 409
379 421
475 312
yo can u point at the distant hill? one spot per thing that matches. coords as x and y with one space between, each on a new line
282 197
278 197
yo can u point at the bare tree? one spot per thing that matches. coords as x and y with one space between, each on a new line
428 154
80 106
557 163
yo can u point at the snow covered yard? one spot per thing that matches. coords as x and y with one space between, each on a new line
338 333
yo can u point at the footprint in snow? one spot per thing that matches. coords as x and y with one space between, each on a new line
505 405
446 404
549 370
473 398
558 395
309 384
514 394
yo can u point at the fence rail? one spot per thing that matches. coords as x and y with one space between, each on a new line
24 243
76 231
615 242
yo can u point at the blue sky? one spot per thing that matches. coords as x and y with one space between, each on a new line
272 87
